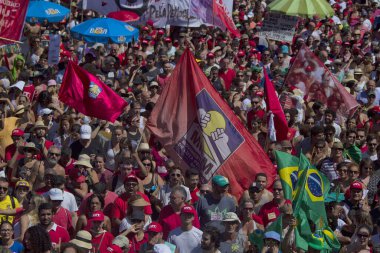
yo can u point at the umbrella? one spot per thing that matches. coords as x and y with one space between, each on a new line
42 10
103 30
125 16
303 8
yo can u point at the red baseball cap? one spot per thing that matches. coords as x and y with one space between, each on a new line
17 132
188 209
241 53
145 28
259 93
146 42
167 39
161 32
97 216
150 22
211 55
356 185
375 109
155 227
130 178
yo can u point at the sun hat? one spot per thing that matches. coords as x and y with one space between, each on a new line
83 239
83 161
30 145
231 216
121 241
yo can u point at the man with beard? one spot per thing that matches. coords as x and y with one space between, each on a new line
50 162
175 179
57 233
210 240
40 131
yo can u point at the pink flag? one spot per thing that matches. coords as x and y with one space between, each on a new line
311 76
84 92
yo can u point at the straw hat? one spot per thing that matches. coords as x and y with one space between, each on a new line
349 78
144 147
139 202
83 239
20 109
82 160
39 124
30 145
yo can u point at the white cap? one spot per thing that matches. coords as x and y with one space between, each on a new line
55 194
85 132
51 82
19 85
161 248
45 111
5 82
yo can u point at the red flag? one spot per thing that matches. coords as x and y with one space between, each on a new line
221 13
12 20
88 95
200 131
273 105
311 76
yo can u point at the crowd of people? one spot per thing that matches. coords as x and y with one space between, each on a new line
72 183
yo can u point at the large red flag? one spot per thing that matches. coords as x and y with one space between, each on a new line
221 13
273 105
84 92
200 131
311 76
12 20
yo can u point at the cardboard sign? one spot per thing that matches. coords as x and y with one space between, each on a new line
279 27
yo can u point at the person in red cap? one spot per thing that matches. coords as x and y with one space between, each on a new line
101 239
354 198
131 185
170 48
210 63
18 141
155 234
241 61
187 238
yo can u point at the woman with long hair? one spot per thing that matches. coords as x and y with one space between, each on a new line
247 216
37 240
344 181
62 138
113 147
29 217
94 203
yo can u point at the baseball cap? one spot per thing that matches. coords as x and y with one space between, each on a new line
85 132
55 194
52 82
97 216
168 40
220 180
45 111
272 235
19 85
22 183
356 185
155 227
241 53
188 209
130 178
211 55
231 216
245 36
17 132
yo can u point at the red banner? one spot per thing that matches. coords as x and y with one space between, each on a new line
311 76
12 17
200 131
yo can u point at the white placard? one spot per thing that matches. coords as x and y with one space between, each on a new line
279 27
54 43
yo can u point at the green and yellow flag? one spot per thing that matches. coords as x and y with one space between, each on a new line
287 167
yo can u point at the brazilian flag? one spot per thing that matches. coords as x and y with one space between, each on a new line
353 153
287 166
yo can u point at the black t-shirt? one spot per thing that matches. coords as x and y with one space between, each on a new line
77 148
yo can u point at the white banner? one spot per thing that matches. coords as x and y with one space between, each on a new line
53 55
279 27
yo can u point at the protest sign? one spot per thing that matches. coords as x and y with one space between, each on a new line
279 27
53 55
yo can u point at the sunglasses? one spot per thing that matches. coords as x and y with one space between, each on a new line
204 191
277 189
363 235
54 154
147 164
175 175
354 171
4 188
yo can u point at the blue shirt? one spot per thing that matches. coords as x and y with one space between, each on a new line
17 247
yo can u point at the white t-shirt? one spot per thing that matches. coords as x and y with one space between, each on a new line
164 194
186 241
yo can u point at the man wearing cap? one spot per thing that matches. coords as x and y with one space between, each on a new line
272 242
371 87
57 233
187 238
355 198
231 240
86 144
170 214
18 141
60 215
210 62
155 234
135 233
120 244
39 138
212 207
153 89
101 239
131 185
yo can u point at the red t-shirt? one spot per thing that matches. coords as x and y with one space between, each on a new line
69 166
63 218
10 151
134 245
251 114
29 91
58 234
102 245
120 206
227 77
194 195
171 220
269 212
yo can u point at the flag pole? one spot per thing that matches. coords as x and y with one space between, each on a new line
14 41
